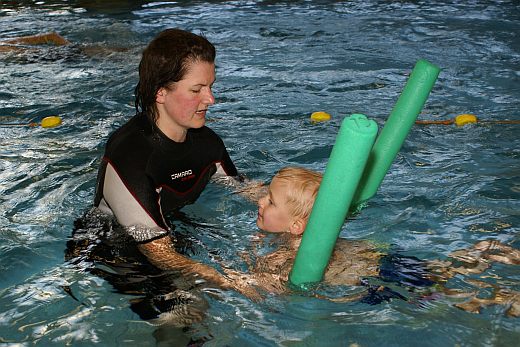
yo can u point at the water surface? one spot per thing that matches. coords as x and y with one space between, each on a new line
277 63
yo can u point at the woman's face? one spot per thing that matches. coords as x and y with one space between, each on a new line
183 104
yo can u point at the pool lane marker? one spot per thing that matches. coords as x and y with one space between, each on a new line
354 172
463 119
459 120
47 122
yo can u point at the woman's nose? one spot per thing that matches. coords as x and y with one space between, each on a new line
209 97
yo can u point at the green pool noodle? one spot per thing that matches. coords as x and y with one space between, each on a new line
396 128
347 160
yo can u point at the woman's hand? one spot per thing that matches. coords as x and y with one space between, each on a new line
242 283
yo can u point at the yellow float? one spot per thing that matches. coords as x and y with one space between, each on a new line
47 122
320 116
50 122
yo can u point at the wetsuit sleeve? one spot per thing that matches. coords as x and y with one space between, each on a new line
119 198
227 164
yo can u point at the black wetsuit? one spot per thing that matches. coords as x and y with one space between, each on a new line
144 174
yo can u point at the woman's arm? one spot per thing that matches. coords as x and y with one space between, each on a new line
250 189
161 253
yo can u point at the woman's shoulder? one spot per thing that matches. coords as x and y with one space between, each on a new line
205 133
130 137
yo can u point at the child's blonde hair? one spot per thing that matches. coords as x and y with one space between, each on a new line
303 185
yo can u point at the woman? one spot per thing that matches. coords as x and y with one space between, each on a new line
164 156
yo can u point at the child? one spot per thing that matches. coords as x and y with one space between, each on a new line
286 208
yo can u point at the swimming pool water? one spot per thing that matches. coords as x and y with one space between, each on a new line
277 62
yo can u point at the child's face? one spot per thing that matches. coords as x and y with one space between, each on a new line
273 213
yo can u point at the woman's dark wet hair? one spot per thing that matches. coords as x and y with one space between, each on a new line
165 61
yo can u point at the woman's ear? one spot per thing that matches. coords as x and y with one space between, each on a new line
160 96
297 226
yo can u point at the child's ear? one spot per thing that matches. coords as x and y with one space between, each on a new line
297 227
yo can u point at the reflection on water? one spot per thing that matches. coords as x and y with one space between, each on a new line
277 62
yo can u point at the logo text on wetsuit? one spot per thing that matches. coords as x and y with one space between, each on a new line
181 174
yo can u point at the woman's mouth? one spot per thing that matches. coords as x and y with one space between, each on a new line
201 112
